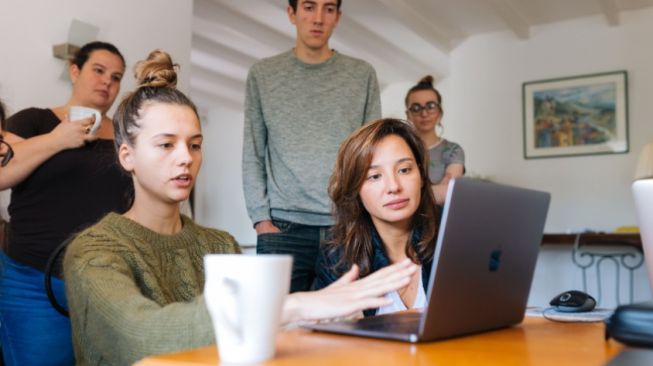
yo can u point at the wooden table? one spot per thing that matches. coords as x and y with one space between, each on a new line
534 342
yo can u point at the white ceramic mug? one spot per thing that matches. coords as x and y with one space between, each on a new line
244 295
76 113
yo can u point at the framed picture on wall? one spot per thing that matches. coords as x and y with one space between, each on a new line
578 115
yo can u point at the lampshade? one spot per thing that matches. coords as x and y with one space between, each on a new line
644 168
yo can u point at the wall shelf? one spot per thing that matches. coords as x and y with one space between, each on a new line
595 239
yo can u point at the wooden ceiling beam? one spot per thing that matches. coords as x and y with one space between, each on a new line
438 32
512 17
610 11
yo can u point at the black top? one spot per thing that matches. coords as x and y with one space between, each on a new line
327 271
67 193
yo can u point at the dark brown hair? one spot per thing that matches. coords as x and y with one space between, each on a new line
293 4
353 225
84 53
425 83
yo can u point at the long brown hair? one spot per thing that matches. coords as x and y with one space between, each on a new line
353 227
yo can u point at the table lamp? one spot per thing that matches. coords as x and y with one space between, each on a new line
643 195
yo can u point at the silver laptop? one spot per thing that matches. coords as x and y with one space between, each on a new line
487 246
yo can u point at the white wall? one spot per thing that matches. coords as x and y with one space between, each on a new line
219 191
484 114
29 75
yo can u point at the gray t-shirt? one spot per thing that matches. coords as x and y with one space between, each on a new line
443 155
296 117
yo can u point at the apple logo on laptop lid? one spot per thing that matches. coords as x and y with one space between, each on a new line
495 260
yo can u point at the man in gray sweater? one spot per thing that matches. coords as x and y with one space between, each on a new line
299 106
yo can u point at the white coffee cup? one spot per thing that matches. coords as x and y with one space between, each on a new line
77 113
244 295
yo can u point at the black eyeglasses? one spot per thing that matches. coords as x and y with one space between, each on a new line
5 156
429 107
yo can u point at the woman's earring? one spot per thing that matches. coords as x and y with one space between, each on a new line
441 129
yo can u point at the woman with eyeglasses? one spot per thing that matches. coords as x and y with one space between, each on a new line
63 178
6 151
6 154
446 158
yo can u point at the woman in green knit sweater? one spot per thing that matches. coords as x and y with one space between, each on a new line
134 281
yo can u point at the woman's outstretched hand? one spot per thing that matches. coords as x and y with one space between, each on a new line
348 295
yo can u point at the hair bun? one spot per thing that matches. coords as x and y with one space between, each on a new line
426 80
157 70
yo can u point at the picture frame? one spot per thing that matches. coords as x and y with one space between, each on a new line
577 115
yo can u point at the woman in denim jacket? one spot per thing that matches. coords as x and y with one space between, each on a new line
384 210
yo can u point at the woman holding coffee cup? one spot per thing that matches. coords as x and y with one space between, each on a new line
384 210
63 179
135 281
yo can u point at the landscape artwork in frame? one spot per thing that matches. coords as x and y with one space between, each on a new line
580 115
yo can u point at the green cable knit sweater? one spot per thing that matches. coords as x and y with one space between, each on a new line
133 292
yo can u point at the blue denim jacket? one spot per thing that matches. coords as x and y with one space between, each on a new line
327 273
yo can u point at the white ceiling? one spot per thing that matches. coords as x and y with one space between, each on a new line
402 39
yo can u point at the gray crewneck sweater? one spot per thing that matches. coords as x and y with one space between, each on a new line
296 116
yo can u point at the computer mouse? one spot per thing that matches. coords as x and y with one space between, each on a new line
573 301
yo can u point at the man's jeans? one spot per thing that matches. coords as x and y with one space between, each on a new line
300 241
